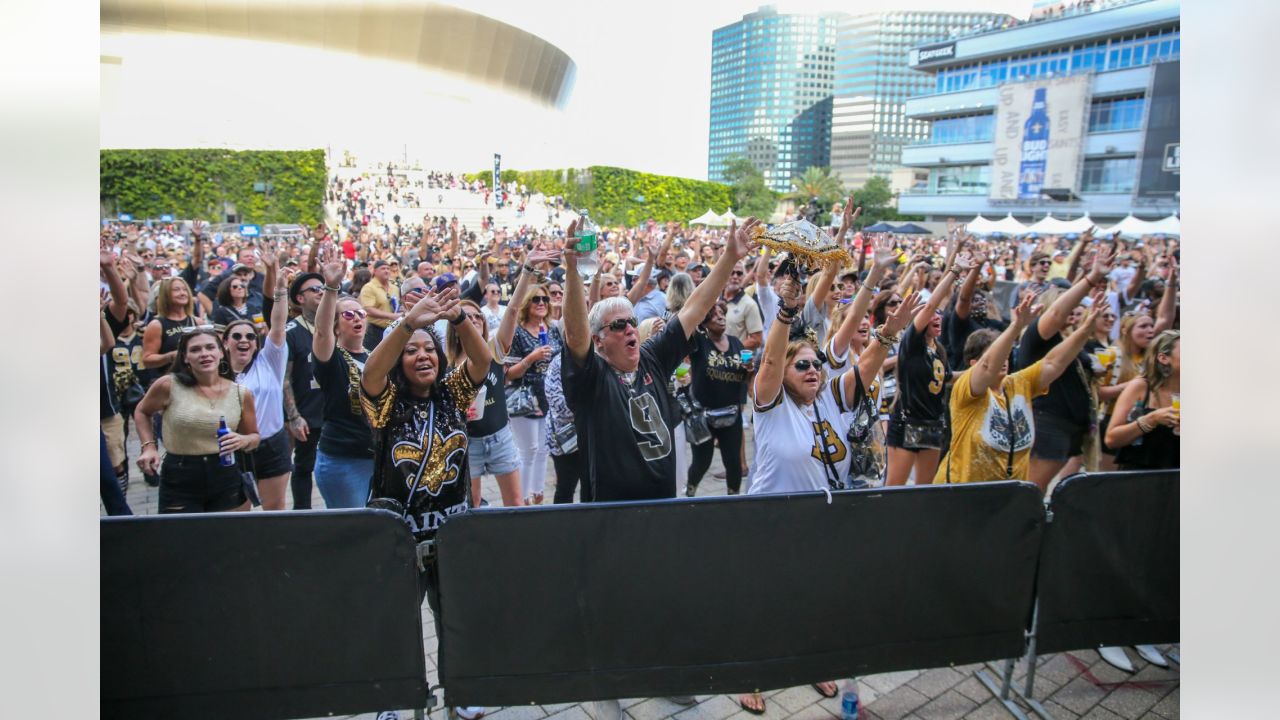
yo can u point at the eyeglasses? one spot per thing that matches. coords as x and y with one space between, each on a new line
353 314
244 336
805 365
621 324
539 300
893 303
557 293
313 288
237 286
474 317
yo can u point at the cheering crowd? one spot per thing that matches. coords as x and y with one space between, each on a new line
397 366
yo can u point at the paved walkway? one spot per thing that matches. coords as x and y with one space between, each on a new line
1072 685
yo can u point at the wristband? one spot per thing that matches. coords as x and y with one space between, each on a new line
149 442
277 296
784 318
330 288
462 317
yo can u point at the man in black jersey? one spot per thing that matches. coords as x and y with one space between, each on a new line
967 315
616 387
303 400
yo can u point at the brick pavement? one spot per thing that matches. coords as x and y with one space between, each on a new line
1073 685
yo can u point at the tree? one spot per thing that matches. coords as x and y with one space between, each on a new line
751 197
817 183
877 202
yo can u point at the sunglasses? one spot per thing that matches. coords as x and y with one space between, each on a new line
805 365
557 293
313 289
237 287
474 317
894 303
1044 263
353 314
621 324
244 336
195 328
539 300
737 273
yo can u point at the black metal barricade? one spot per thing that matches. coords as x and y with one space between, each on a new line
262 615
1108 570
716 595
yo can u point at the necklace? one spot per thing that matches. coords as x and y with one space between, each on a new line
213 401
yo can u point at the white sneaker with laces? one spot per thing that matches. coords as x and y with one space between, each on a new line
469 713
389 715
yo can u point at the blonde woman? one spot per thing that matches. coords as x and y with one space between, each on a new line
536 341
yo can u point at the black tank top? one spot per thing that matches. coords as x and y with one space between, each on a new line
1157 450
170 335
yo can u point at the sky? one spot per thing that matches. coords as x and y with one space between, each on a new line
639 100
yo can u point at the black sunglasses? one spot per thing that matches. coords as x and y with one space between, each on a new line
1044 262
894 303
804 365
539 300
621 324
243 336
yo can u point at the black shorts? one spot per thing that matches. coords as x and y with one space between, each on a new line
1057 439
273 456
199 483
896 436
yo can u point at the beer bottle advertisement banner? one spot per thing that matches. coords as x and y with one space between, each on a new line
1039 136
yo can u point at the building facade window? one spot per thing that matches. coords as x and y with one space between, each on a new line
968 129
960 180
1114 114
1109 175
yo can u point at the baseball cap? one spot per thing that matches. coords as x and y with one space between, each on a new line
445 280
380 263
240 266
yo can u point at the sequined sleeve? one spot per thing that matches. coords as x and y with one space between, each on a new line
377 410
459 386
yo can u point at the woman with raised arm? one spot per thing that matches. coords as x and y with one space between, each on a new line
491 446
261 371
991 417
535 342
800 417
917 425
1064 416
417 410
1145 425
344 459
198 392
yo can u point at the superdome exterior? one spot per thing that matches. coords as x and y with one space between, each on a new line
433 37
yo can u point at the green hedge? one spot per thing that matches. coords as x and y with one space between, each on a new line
619 196
192 184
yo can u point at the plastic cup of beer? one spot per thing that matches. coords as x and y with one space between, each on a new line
1176 399
1106 356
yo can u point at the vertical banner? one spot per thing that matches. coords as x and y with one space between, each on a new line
1039 137
497 180
1159 176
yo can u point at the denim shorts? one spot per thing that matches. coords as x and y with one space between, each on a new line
493 454
199 483
272 456
343 481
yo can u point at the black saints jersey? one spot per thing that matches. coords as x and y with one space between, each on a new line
420 446
625 423
922 375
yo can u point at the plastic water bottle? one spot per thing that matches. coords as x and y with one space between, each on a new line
849 700
227 458
587 233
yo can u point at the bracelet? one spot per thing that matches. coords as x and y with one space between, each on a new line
788 312
149 442
1143 426
531 269
277 296
886 340
293 417
462 317
785 319
330 288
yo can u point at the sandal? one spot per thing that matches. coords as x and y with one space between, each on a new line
833 693
749 709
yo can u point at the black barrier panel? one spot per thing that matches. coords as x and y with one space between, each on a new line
717 595
1109 567
262 615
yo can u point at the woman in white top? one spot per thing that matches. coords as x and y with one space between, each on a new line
261 371
799 416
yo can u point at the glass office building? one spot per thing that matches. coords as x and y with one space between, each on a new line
1128 162
873 82
771 86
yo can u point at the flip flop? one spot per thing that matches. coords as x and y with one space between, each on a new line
818 689
752 710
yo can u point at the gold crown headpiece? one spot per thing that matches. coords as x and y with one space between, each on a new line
806 242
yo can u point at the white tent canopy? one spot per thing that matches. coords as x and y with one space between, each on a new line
1130 227
706 218
728 217
1051 225
1167 226
980 226
1007 225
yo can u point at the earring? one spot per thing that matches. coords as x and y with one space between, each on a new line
223 367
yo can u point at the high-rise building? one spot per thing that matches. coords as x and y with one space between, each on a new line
873 82
771 84
1073 112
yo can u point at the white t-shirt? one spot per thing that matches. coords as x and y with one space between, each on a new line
493 318
265 380
788 458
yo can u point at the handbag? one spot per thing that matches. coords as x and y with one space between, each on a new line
922 435
565 437
521 402
721 418
248 480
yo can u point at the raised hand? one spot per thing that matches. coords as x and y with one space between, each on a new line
106 253
741 242
790 292
1026 310
570 252
896 321
268 254
333 271
963 263
197 228
886 256
1102 263
431 307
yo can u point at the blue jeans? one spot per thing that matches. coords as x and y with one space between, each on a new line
108 487
343 481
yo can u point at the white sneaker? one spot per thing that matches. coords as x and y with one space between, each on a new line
606 710
1151 655
1116 657
469 713
389 715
